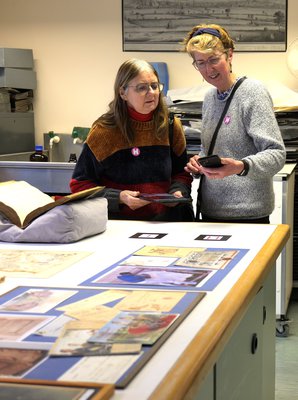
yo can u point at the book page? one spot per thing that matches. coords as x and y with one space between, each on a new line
22 198
21 202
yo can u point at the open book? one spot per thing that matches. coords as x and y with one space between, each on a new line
21 202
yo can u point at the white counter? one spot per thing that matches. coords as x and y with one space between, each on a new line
245 280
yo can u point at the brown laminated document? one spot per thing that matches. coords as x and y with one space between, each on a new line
21 202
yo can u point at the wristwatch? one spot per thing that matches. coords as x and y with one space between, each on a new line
245 168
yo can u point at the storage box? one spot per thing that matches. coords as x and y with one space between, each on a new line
5 105
16 58
16 132
17 78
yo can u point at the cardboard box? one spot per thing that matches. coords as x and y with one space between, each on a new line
5 105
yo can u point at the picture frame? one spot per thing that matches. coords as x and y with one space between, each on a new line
160 26
34 389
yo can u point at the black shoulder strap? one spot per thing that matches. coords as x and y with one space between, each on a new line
171 128
237 84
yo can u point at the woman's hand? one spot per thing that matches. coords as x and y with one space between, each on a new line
192 166
131 199
176 194
230 167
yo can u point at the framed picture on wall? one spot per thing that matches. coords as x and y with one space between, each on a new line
161 25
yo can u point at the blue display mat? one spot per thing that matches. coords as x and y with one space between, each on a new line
203 279
54 367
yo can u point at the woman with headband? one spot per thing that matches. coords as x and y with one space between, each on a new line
248 140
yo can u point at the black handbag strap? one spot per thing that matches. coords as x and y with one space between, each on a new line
171 128
228 102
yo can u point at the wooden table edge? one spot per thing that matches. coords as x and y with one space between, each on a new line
196 361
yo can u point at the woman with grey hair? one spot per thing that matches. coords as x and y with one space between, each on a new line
131 151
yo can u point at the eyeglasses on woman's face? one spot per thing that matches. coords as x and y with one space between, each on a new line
214 60
143 88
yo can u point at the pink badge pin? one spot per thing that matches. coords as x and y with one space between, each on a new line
135 151
227 119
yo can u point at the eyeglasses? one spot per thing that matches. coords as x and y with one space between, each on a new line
143 88
200 65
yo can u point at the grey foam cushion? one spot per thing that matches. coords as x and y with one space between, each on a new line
63 224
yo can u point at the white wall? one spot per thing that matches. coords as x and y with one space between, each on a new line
77 47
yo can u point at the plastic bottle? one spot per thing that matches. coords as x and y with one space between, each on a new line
38 155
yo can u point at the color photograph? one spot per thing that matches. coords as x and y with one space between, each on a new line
127 327
169 276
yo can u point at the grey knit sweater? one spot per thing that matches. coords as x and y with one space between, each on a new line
250 132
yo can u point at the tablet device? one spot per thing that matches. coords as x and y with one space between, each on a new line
163 198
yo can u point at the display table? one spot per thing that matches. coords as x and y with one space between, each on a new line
227 340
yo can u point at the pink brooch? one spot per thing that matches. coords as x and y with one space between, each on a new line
135 151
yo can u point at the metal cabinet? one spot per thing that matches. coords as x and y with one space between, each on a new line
246 368
284 183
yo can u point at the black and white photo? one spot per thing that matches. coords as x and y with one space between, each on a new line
161 25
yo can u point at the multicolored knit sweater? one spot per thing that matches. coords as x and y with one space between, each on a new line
147 166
